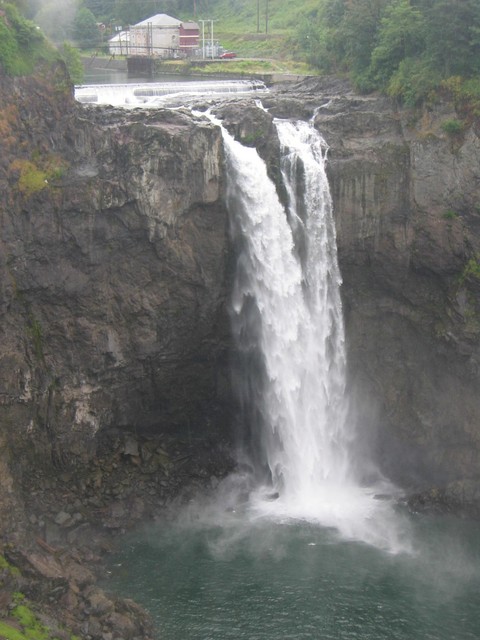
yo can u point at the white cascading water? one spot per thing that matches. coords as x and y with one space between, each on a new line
286 303
157 94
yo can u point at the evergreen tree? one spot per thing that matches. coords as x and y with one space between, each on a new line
404 47
85 29
401 36
101 9
453 36
358 29
133 11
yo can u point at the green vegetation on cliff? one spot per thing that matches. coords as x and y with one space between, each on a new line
22 44
37 174
405 48
21 622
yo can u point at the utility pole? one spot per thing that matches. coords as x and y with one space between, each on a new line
203 38
211 37
266 16
258 16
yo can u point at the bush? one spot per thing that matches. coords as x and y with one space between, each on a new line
73 62
466 94
452 127
8 48
471 269
413 82
450 215
27 33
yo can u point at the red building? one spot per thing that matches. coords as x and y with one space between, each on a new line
189 37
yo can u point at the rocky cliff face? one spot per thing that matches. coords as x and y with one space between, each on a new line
114 272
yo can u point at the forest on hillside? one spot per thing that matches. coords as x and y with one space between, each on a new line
408 49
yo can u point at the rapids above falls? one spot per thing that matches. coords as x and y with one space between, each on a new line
155 94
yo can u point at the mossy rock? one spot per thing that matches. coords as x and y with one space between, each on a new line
35 176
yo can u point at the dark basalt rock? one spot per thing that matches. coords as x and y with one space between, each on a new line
113 264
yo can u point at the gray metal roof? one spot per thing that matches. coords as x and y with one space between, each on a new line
159 20
190 25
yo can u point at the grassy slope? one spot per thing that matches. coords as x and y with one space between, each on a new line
236 24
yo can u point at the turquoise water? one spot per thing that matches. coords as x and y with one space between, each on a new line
240 578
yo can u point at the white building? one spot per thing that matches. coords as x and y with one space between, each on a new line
119 44
160 36
157 36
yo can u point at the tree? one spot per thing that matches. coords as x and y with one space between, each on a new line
309 41
358 29
413 81
85 29
132 11
73 62
101 9
453 36
21 5
401 36
332 17
8 47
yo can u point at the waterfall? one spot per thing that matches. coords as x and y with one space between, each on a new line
288 324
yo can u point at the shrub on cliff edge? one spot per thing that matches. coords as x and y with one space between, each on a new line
22 44
73 61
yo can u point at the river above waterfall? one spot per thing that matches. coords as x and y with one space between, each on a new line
264 580
166 93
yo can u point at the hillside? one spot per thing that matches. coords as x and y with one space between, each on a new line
256 28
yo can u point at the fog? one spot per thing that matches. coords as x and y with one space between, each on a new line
56 22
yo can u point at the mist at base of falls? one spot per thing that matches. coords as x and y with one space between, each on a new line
216 572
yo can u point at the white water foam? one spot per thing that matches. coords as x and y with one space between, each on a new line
156 94
288 274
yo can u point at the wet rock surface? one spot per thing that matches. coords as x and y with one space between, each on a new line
114 272
114 396
52 593
461 499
